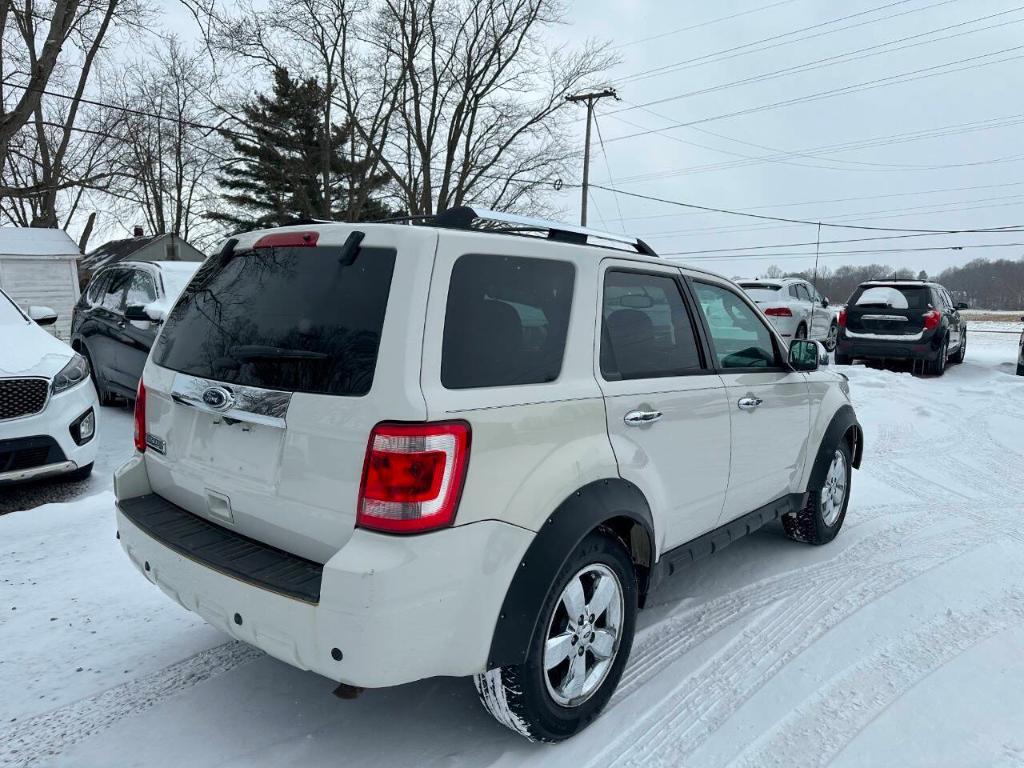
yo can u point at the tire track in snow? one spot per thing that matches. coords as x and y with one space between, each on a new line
45 736
706 699
839 710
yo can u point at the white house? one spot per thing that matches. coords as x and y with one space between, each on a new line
40 267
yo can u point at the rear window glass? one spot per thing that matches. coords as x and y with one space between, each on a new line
761 291
506 321
893 297
293 319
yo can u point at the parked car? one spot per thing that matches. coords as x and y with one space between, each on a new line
796 308
49 416
1020 353
903 320
384 452
118 316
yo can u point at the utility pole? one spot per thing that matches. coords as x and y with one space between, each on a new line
589 98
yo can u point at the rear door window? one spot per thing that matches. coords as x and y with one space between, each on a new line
292 319
506 321
739 338
646 329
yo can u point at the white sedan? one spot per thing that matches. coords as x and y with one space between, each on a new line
49 415
795 308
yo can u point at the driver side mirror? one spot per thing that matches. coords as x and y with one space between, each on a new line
42 315
139 313
804 355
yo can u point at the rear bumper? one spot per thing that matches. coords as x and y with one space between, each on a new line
926 348
391 609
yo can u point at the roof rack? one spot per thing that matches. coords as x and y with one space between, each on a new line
462 217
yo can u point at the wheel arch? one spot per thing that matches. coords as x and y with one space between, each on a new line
612 505
843 427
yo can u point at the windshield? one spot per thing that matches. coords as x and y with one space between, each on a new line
894 297
175 281
761 291
9 313
292 319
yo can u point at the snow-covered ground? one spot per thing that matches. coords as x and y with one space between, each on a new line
899 644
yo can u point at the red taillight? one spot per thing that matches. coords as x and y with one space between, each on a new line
140 417
932 319
288 240
779 312
842 317
412 476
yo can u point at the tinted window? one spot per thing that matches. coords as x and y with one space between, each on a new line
793 292
112 297
506 321
802 293
141 290
646 331
294 319
96 288
739 338
893 297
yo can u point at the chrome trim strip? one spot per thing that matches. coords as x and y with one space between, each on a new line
46 403
268 407
36 472
886 318
886 337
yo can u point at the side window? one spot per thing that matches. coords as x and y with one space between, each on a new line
506 321
141 290
739 338
96 288
794 292
646 330
113 291
803 293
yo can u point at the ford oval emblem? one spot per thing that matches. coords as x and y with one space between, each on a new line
218 398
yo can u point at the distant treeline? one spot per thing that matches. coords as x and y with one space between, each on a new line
982 283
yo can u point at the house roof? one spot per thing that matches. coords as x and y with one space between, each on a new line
32 241
115 251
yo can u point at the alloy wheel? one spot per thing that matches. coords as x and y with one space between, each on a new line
833 494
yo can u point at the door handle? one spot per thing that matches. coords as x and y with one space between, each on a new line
749 403
639 418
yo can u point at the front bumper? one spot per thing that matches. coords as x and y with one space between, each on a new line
391 609
55 421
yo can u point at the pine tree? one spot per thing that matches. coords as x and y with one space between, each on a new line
277 176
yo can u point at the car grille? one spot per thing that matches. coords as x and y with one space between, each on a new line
29 452
22 397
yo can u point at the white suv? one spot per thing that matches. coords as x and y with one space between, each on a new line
386 452
795 308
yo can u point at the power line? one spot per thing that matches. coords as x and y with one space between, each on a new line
741 50
608 167
747 214
841 58
702 24
902 77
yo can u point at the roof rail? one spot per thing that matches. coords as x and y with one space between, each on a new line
462 217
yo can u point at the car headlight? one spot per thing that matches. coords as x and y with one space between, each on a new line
75 372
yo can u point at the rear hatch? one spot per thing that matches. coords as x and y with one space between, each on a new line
272 370
764 294
889 310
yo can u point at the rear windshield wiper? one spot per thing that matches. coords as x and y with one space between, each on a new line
266 352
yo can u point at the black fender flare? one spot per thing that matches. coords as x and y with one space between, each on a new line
589 508
841 423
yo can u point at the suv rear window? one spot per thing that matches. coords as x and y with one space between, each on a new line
893 296
762 291
293 319
506 321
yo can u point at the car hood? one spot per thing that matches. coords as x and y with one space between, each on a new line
31 351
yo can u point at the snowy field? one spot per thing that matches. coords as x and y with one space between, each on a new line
899 644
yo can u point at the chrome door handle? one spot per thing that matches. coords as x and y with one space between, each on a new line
639 418
749 403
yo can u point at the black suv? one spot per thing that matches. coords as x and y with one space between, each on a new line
902 320
118 316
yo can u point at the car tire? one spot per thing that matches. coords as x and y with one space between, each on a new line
937 367
833 337
535 698
841 359
823 514
961 353
1020 369
801 332
79 474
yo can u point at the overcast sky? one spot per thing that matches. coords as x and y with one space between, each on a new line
960 180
